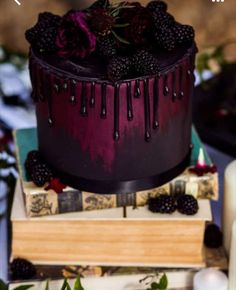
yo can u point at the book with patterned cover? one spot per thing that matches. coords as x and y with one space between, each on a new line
40 202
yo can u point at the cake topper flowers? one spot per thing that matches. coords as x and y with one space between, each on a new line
110 32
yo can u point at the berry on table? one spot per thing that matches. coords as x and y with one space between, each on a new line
41 174
187 204
162 204
22 269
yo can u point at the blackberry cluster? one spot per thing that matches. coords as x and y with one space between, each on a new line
118 68
165 39
162 204
42 36
183 33
33 158
145 63
106 46
41 174
167 32
187 204
22 269
36 168
156 6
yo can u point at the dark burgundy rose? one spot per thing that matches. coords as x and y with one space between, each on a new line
140 23
74 36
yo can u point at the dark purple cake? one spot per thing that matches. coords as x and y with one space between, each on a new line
113 109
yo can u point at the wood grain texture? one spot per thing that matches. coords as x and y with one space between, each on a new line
107 241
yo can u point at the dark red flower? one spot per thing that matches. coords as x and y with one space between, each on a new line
56 185
140 22
74 36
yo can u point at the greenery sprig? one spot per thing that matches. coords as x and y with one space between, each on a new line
152 284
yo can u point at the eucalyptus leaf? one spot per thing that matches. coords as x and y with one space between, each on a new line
163 284
78 285
22 287
121 25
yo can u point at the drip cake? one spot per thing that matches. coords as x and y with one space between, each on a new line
113 86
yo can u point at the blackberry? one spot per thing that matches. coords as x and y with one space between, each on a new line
47 41
22 269
33 158
145 63
106 46
213 237
41 174
42 36
187 204
157 5
165 39
118 68
183 33
162 204
50 18
163 20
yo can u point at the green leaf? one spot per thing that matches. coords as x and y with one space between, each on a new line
78 285
47 285
68 286
22 287
64 285
3 286
155 285
121 39
163 284
121 25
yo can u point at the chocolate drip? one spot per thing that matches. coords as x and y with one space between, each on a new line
65 86
49 89
33 77
116 134
174 95
155 103
41 84
73 92
104 101
92 97
147 110
56 87
137 92
181 82
165 85
129 102
83 100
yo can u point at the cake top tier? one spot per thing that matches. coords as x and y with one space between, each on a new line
112 41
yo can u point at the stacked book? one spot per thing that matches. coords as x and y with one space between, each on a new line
111 238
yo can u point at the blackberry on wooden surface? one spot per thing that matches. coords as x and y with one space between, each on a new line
187 204
22 269
41 174
162 204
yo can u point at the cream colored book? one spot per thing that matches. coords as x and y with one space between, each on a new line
107 237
